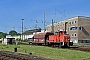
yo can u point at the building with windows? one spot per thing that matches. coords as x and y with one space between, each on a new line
78 28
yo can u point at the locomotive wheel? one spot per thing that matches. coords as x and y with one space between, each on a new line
59 45
71 44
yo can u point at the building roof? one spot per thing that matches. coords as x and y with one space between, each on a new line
29 32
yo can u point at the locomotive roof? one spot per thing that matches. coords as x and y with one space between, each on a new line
44 33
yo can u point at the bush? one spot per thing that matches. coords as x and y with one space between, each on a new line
26 40
18 39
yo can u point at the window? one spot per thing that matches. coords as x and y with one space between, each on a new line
72 34
73 22
80 28
83 41
73 28
70 23
74 41
61 24
75 34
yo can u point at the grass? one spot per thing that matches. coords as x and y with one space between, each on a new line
48 52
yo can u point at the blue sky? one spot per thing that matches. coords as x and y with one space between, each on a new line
12 11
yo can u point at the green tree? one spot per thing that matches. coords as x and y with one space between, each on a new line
13 33
18 34
2 35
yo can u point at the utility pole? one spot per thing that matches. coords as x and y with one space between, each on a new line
22 28
52 26
44 21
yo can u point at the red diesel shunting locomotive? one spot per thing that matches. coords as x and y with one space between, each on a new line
60 39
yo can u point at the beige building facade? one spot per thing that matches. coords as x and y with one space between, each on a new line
78 28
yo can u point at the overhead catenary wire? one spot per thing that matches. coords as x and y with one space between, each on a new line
60 13
57 11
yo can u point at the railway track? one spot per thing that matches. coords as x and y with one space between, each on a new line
6 55
81 48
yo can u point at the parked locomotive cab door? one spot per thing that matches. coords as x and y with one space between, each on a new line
46 38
